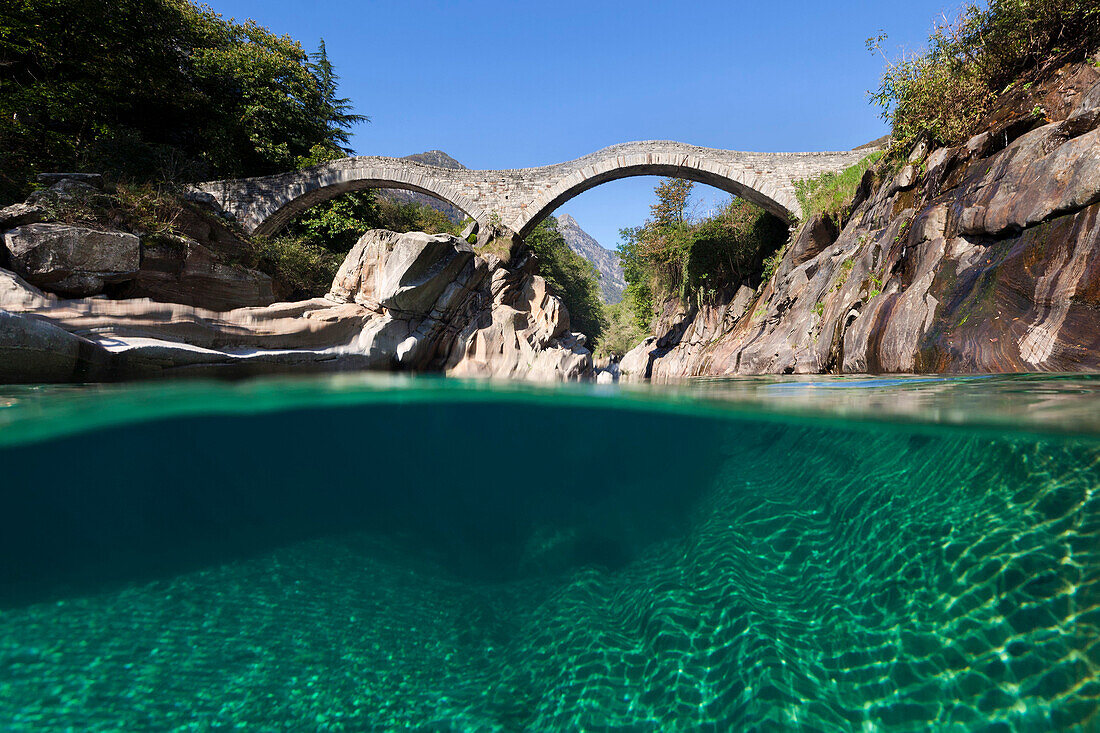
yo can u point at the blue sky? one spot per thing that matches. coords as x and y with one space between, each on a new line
501 84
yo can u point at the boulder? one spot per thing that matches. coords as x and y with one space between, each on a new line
17 215
403 273
68 189
817 234
635 364
72 260
90 179
183 271
211 231
33 350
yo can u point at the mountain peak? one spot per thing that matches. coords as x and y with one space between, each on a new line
437 158
605 261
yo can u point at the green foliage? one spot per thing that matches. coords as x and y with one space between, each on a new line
831 193
943 93
638 272
570 277
338 223
771 264
845 270
693 260
413 217
876 282
306 269
622 332
672 197
141 208
156 90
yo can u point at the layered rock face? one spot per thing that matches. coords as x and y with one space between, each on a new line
190 267
413 302
980 258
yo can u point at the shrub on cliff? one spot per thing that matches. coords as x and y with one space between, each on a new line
831 194
945 92
672 255
338 223
304 269
156 90
570 277
623 331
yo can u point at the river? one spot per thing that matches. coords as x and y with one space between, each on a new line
367 552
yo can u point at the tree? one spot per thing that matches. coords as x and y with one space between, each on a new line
570 277
694 261
672 198
157 90
336 110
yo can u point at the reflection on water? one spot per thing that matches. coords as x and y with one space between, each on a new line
350 554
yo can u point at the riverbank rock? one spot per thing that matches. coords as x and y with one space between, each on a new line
984 257
180 270
35 350
408 302
193 256
73 260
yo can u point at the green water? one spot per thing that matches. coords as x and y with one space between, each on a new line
355 553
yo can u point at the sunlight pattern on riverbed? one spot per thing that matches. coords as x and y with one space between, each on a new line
348 558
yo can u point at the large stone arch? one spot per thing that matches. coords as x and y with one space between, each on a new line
266 204
737 180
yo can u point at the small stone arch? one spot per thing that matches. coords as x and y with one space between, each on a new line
267 204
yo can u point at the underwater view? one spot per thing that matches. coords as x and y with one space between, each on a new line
376 553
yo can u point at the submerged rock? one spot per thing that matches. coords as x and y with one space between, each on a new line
411 302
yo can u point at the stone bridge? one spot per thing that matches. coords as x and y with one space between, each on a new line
521 198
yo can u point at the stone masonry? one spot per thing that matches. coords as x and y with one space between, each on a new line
520 198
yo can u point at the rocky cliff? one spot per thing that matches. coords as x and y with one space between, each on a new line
983 257
412 302
606 262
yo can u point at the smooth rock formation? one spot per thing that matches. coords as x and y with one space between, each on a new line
36 350
412 302
73 260
979 258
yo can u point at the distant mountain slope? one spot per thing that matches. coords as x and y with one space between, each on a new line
607 264
436 158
